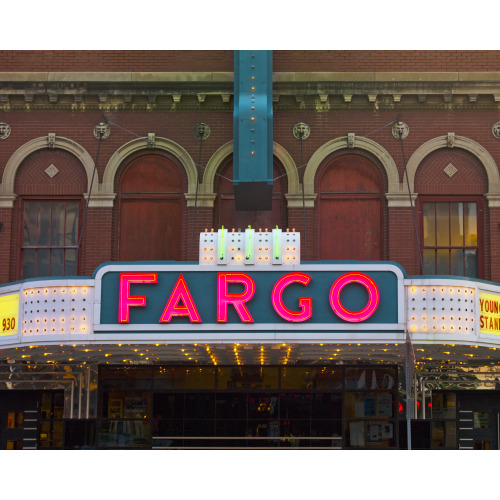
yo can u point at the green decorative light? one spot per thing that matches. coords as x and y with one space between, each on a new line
249 241
221 246
277 254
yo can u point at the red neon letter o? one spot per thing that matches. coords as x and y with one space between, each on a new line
373 297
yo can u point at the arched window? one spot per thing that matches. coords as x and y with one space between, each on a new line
450 237
350 209
50 185
450 186
225 211
50 237
150 210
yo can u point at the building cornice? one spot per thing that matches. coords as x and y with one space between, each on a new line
314 91
278 77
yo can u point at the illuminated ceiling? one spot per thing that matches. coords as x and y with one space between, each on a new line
426 355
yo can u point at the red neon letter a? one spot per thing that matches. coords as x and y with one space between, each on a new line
236 299
180 292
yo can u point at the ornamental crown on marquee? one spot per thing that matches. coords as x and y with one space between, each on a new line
250 247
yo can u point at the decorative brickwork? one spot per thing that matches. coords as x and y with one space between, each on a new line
347 98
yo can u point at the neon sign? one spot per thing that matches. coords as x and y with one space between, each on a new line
224 298
125 299
181 303
305 303
373 297
180 293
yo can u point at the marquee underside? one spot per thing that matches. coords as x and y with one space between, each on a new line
254 354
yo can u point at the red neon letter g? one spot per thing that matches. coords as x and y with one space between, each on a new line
305 303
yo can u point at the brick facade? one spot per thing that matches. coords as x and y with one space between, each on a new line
222 60
431 111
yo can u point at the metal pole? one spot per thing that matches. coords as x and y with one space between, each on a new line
80 379
72 397
415 397
408 399
88 393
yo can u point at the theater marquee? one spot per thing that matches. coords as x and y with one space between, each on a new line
192 299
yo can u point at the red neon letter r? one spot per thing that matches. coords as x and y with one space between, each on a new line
236 299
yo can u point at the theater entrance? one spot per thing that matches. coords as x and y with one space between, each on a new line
259 407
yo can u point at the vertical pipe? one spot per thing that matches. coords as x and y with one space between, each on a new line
72 397
408 399
80 377
88 392
415 397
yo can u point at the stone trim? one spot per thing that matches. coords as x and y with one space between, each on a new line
205 200
112 76
9 174
297 201
459 142
207 187
7 200
100 200
228 76
400 200
141 144
372 147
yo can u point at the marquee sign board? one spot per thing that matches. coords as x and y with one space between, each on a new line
489 313
168 298
9 314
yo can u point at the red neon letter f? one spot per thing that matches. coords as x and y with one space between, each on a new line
125 300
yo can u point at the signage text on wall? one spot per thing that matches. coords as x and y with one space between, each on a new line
189 298
489 313
180 302
9 312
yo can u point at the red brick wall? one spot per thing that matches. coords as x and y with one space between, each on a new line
308 235
222 60
178 126
383 60
96 240
12 262
493 256
402 240
5 244
116 60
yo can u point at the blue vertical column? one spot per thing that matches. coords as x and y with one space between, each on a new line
253 129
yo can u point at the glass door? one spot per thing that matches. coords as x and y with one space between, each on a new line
18 419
